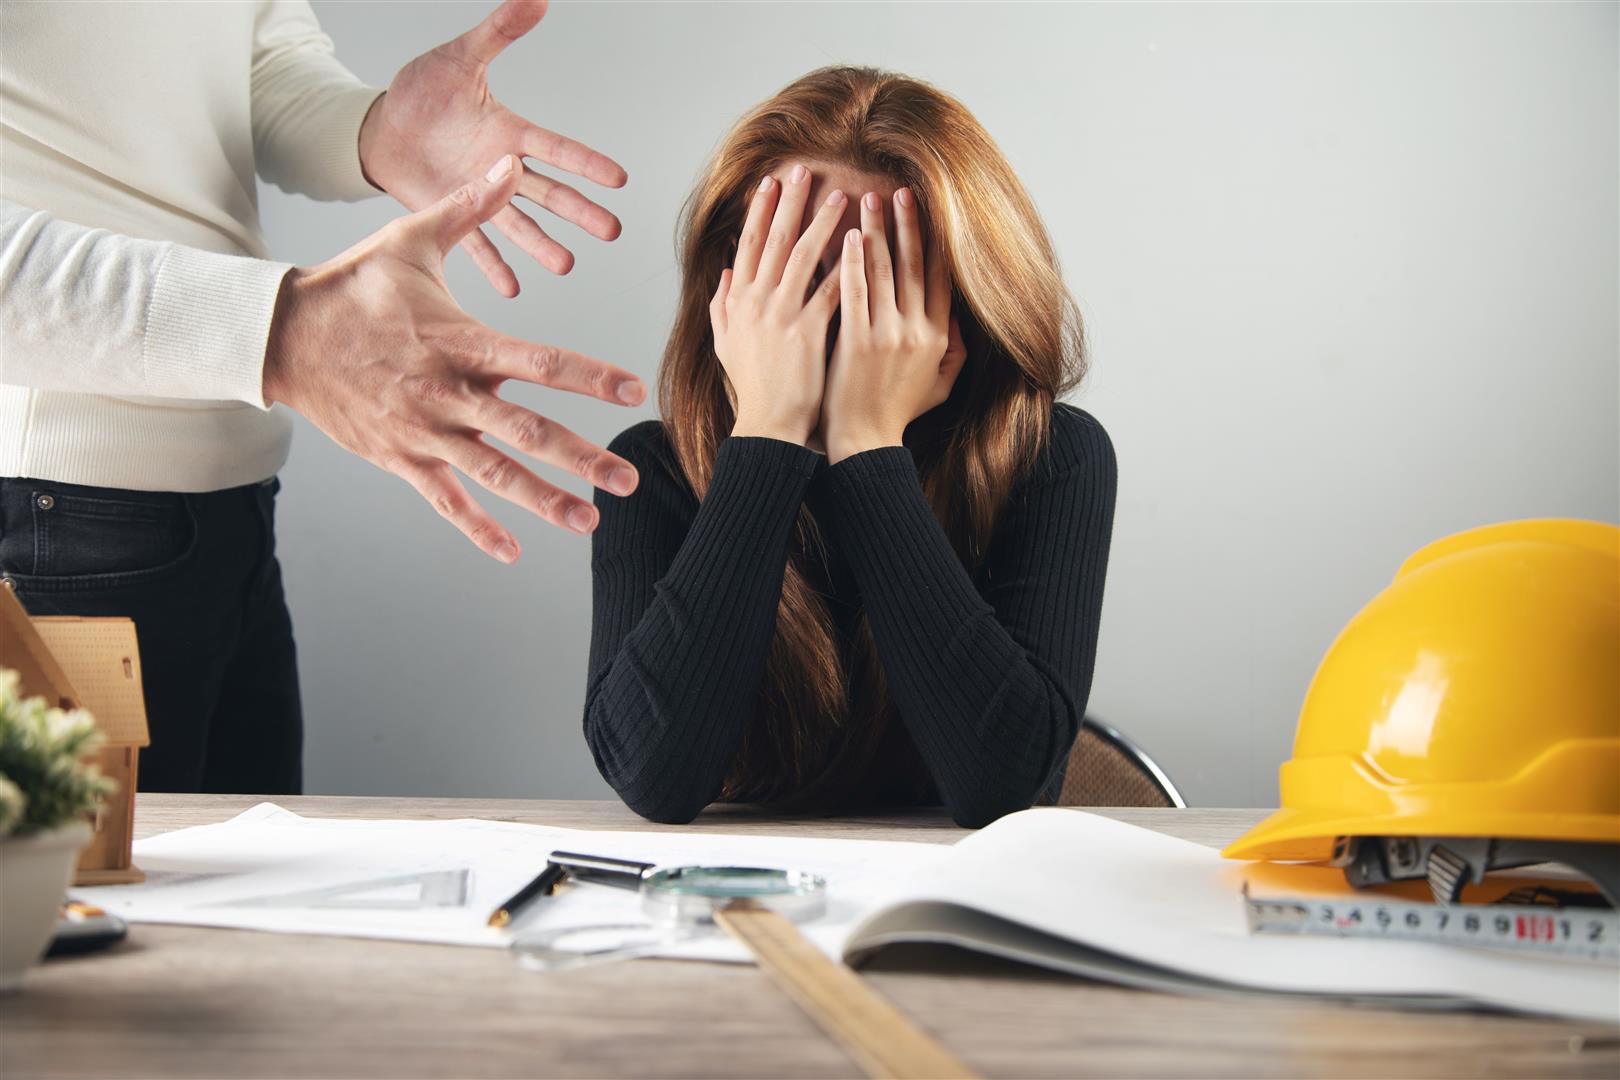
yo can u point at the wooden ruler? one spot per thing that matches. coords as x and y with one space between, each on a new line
877 1035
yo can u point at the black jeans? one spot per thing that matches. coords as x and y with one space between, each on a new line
199 576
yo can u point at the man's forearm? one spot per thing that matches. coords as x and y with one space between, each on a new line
308 108
90 311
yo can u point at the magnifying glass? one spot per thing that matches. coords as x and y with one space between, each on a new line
680 901
759 907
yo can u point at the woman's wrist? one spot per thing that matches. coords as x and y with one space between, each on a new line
771 427
843 444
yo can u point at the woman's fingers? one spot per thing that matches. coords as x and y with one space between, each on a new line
854 315
939 288
753 234
499 473
950 365
785 223
548 441
911 290
569 204
824 301
879 269
801 266
717 303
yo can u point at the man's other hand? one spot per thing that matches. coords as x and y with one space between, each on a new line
438 124
371 348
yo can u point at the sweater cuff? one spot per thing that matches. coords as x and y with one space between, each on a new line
207 323
868 464
771 474
872 487
758 455
334 155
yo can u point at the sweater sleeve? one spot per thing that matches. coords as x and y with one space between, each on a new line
307 107
990 685
90 311
683 613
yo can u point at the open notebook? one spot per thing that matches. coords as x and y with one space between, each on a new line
1088 895
1063 889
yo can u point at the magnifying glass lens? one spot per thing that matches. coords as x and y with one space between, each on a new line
689 894
728 882
681 902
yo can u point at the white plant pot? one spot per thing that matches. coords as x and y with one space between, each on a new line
35 871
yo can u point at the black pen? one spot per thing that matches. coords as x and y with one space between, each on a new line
540 886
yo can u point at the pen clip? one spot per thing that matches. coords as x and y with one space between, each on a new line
601 869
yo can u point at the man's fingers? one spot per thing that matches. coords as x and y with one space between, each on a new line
879 270
505 357
784 230
801 267
911 289
439 486
854 315
488 258
569 205
448 221
550 442
503 26
520 228
499 473
571 155
752 239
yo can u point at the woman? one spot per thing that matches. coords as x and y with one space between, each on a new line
909 615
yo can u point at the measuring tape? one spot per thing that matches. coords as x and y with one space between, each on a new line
1592 933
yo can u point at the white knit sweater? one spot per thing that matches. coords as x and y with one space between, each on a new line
135 300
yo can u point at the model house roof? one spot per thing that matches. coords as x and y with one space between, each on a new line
93 663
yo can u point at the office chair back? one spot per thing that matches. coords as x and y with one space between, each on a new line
1107 769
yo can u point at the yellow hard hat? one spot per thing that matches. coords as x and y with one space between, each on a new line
1477 696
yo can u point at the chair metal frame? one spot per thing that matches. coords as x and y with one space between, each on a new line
1138 756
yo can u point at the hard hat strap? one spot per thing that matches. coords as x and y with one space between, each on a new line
1450 862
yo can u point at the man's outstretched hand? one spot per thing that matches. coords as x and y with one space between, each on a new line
371 348
438 125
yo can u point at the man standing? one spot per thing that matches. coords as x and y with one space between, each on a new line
144 337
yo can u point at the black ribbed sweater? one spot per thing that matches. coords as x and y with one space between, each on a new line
989 671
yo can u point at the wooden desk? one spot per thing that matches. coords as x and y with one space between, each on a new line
179 1001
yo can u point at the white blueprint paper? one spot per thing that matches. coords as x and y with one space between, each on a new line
438 881
1072 891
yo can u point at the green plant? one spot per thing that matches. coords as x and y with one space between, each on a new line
44 779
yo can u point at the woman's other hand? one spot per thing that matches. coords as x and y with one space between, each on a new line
770 330
899 350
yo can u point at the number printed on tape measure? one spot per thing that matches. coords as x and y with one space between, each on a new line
1590 933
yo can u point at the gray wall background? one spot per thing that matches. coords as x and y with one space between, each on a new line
1350 279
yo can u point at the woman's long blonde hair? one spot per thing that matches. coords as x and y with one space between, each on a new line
821 716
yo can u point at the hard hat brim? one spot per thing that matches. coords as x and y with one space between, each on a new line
1307 834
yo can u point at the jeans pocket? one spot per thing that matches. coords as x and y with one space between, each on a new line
103 540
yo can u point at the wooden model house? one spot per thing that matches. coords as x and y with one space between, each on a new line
91 664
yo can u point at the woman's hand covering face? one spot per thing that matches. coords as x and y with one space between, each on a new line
770 329
898 350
